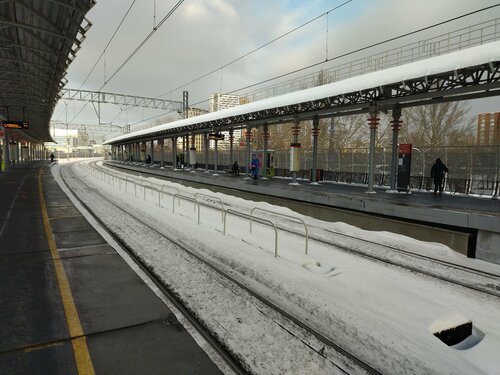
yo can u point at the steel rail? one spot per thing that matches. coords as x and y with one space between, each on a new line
167 292
319 336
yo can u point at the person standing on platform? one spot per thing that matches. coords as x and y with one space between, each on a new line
254 167
235 169
52 158
437 174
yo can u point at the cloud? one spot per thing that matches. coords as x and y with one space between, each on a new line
203 35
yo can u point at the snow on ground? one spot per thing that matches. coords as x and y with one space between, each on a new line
380 313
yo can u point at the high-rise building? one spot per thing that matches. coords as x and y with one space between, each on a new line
222 101
488 129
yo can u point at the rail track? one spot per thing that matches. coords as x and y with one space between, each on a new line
341 360
448 271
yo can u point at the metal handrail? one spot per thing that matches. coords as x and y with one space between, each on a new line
283 215
214 198
241 214
196 203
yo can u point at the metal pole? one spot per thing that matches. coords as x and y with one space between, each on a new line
216 154
265 137
7 150
162 144
295 146
152 152
207 145
248 136
373 124
315 133
174 153
396 125
231 140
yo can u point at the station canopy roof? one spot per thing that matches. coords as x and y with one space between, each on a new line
38 41
481 62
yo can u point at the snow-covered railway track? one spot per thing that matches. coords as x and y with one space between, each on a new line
431 266
471 278
323 355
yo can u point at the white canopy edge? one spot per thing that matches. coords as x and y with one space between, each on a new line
469 57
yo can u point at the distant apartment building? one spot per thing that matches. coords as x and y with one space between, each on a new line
192 112
488 129
222 101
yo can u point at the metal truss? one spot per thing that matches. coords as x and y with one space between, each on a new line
93 128
121 99
469 83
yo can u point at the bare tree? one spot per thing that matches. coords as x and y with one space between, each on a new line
436 124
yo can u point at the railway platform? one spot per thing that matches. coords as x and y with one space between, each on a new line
470 225
69 303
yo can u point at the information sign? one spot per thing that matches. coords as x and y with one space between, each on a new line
16 124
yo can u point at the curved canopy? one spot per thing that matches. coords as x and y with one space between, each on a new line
38 41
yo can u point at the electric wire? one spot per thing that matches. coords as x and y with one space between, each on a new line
334 58
155 29
255 50
105 48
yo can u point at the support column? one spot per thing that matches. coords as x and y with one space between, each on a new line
248 139
315 134
152 152
231 140
207 146
143 152
216 157
162 145
192 152
174 153
373 122
265 138
6 149
396 126
184 159
295 151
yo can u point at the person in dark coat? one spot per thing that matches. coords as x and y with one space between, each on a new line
52 157
148 159
235 169
437 174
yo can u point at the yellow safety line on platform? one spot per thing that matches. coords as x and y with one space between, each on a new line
82 356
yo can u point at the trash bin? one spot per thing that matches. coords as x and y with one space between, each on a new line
319 174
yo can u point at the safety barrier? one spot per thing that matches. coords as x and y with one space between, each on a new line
110 177
248 216
283 215
214 198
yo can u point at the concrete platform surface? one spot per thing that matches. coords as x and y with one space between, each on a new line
126 328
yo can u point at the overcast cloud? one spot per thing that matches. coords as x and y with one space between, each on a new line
203 35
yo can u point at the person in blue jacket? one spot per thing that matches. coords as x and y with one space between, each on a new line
254 167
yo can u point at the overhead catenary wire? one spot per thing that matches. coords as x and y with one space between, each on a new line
254 50
141 44
105 49
221 68
336 57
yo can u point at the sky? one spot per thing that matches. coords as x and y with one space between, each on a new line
202 36
382 314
